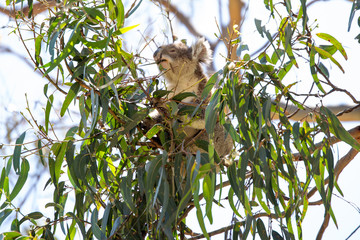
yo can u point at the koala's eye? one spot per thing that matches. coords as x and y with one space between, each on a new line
172 50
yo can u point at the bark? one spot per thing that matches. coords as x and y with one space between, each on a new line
235 9
343 112
38 8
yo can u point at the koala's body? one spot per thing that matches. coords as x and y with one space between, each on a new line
181 66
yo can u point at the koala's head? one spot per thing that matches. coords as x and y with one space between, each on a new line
178 59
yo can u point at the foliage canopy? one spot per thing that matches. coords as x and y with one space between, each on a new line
112 180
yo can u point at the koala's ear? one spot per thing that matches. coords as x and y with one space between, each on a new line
201 51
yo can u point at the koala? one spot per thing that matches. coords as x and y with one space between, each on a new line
183 72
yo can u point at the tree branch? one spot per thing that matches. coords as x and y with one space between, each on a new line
38 8
323 227
343 112
227 228
340 165
354 132
180 16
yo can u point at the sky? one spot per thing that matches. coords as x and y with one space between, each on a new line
17 78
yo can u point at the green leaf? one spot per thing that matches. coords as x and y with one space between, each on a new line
231 202
285 69
94 112
313 70
47 112
209 85
73 166
208 190
67 49
4 214
56 167
70 133
152 174
12 235
324 70
261 229
288 34
305 16
288 6
285 37
55 205
355 6
30 216
116 12
94 226
105 218
248 221
6 190
263 67
276 55
259 27
260 199
188 110
199 214
100 44
115 226
335 42
126 29
326 54
17 152
211 113
329 48
276 236
38 42
338 130
161 170
125 187
40 153
234 181
330 167
15 226
181 96
30 6
95 13
35 215
25 167
165 198
2 180
136 118
134 9
120 14
51 46
241 49
74 89
333 217
160 93
79 223
83 112
231 130
153 131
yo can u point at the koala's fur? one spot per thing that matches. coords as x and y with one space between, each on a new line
181 66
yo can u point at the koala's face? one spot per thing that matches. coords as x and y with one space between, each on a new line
172 56
178 59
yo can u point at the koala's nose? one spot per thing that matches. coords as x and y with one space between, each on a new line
156 52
